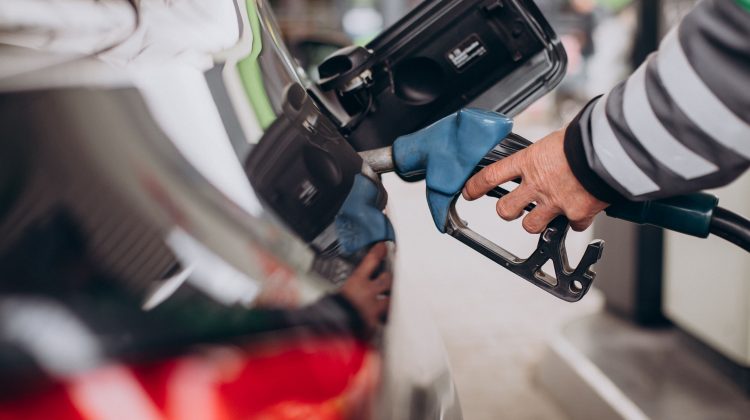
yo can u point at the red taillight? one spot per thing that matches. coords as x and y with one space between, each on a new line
313 378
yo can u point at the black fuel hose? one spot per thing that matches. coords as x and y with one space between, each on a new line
732 227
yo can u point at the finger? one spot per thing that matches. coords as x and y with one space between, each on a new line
581 225
511 206
382 305
371 261
491 176
539 218
383 283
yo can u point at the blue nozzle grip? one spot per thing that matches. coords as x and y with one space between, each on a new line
447 152
361 221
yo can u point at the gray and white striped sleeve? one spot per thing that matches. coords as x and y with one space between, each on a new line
681 122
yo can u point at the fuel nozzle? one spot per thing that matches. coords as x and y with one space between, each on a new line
445 154
449 151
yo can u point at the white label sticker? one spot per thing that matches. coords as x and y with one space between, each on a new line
467 52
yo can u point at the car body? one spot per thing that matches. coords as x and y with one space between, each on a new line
141 275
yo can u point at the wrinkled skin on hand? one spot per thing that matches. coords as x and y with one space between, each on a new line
366 293
546 179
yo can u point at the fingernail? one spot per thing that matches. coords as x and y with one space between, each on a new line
465 194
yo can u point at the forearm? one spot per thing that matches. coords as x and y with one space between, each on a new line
680 123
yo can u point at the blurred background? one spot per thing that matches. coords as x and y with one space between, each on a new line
667 330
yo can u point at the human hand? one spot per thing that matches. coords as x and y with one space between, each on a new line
366 294
546 179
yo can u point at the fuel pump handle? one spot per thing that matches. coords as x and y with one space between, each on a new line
445 154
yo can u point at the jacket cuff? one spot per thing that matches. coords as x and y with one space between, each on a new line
575 153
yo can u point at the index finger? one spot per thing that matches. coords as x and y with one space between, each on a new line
371 261
491 176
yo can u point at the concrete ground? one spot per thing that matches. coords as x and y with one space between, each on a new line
495 325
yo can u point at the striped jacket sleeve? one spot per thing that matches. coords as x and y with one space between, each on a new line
681 122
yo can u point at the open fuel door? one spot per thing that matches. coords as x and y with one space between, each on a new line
442 56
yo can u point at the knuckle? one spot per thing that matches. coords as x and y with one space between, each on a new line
489 174
581 226
577 213
530 183
368 263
